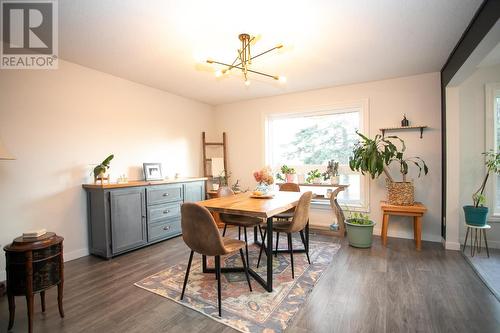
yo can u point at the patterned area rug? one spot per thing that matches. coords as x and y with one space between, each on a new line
257 311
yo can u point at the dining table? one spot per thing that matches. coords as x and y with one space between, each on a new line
264 207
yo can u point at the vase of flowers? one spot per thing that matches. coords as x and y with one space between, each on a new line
264 180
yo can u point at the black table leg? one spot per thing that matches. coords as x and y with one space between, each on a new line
268 285
269 254
204 264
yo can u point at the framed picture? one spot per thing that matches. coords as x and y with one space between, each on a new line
152 171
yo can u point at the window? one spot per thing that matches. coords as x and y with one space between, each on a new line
308 140
492 101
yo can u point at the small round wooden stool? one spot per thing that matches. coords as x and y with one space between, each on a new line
475 245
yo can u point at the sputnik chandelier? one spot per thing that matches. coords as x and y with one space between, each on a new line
244 60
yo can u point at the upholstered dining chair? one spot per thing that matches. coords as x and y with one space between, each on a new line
288 215
201 235
299 222
238 220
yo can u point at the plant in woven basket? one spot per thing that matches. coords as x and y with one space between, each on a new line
373 156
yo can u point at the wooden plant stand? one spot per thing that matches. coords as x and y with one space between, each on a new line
416 211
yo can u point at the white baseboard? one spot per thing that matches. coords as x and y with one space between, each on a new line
68 256
455 246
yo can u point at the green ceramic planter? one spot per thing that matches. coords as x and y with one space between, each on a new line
359 235
476 215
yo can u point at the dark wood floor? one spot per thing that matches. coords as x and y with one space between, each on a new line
394 289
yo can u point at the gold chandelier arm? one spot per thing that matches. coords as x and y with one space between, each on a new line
248 70
258 55
239 55
274 48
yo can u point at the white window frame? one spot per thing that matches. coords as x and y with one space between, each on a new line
492 90
363 106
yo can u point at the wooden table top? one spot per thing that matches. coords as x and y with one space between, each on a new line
134 183
243 204
417 207
22 244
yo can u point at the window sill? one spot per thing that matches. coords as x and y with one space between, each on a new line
325 205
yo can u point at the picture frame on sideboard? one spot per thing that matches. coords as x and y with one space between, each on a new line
152 171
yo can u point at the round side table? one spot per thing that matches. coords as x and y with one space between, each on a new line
33 266
475 245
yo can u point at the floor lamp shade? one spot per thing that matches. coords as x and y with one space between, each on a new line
4 153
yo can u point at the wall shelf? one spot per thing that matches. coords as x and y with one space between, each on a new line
403 128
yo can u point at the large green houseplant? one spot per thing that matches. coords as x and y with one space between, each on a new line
477 213
373 156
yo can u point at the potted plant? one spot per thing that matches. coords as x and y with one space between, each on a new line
359 229
372 156
313 176
332 172
477 213
289 173
100 170
221 180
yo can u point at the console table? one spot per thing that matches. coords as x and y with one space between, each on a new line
124 217
332 200
33 266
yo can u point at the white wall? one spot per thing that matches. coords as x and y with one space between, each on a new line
58 122
417 96
467 111
453 144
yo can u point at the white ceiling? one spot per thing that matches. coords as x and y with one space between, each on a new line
162 44
493 58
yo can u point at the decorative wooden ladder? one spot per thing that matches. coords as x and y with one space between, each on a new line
206 161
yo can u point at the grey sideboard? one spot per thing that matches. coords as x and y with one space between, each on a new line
124 217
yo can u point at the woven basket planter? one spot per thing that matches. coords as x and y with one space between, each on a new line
400 193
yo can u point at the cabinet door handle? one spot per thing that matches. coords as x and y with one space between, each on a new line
166 211
166 228
165 194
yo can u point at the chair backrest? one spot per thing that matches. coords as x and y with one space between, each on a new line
290 187
224 191
301 214
199 230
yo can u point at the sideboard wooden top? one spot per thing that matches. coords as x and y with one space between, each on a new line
142 183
